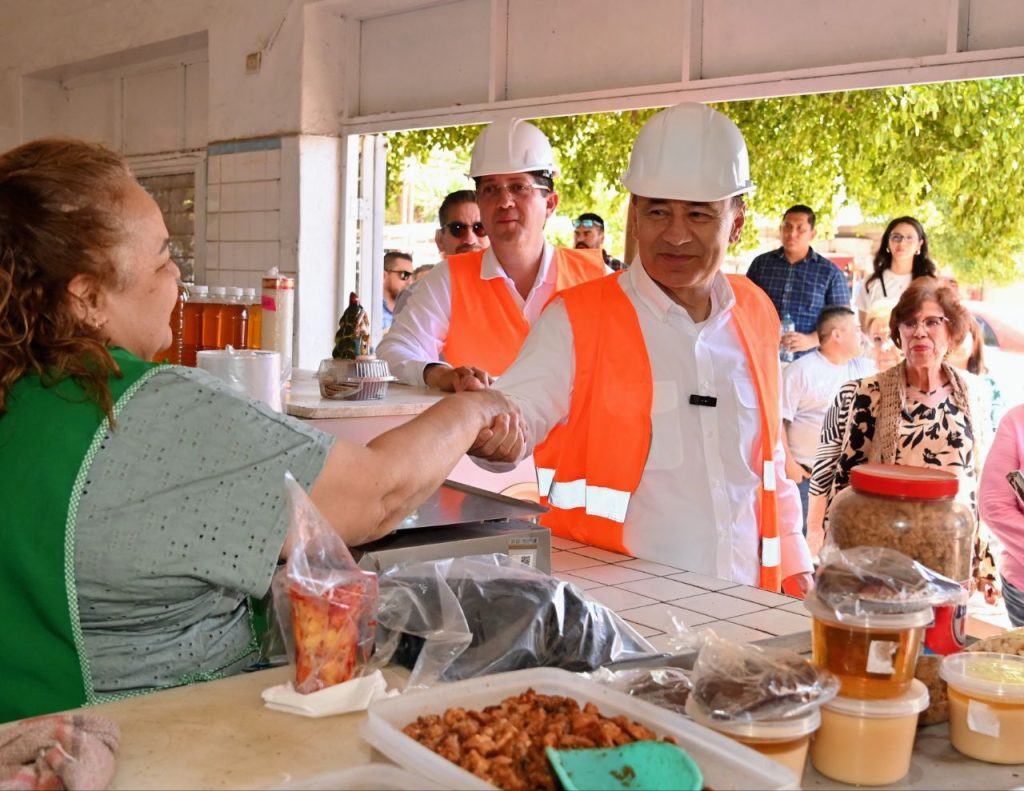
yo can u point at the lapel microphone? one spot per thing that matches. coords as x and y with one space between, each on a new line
700 400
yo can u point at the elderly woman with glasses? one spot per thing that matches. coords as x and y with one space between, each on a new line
902 256
144 503
921 412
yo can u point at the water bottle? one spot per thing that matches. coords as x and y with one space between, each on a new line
785 355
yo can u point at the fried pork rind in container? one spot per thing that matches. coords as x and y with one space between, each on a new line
326 605
667 687
878 581
742 682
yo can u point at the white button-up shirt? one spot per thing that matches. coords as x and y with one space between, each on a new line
696 505
419 332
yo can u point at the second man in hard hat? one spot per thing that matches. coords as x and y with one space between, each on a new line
662 382
474 310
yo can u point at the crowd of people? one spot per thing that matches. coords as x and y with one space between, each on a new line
145 501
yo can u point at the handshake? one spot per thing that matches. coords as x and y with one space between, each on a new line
504 437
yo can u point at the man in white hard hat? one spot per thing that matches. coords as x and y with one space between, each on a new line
475 309
662 382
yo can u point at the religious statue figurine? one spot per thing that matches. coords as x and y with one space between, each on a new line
353 337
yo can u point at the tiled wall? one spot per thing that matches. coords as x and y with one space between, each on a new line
245 232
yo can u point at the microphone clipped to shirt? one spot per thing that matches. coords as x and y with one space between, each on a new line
702 400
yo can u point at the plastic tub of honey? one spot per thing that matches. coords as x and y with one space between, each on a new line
986 705
873 655
785 741
868 742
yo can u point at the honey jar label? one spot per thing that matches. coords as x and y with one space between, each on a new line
881 654
981 719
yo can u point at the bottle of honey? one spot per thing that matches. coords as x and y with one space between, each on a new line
234 320
211 321
193 324
255 318
173 353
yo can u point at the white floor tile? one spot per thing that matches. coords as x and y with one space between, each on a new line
662 588
703 581
643 631
579 582
658 569
728 630
564 543
602 554
795 607
619 599
570 561
609 574
775 622
720 605
760 596
659 616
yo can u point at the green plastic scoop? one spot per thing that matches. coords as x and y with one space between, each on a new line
640 765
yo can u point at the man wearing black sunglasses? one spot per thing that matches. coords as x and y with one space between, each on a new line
460 228
397 277
589 235
466 320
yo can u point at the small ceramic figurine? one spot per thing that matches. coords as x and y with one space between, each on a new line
353 337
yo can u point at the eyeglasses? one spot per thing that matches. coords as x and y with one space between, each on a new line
931 324
458 229
519 190
404 274
586 224
898 237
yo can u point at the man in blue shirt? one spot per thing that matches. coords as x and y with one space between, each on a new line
799 281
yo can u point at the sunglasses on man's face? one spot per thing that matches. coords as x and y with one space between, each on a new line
586 224
458 229
403 274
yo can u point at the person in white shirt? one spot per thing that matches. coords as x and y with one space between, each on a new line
902 256
664 390
810 384
474 309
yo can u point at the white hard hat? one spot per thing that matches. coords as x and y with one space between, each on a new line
511 146
689 152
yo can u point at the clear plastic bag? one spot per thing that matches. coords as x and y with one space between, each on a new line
667 687
878 580
325 604
465 617
734 681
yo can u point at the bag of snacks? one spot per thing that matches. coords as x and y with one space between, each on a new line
667 687
879 580
743 682
325 604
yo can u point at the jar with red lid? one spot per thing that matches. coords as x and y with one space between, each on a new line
910 509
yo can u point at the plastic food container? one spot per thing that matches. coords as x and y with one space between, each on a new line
868 742
785 741
368 777
354 380
725 764
909 509
873 655
986 705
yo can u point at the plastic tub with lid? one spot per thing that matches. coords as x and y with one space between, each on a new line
986 705
362 379
784 740
874 655
868 742
724 763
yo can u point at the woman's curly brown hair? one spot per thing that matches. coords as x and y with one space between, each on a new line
60 202
929 289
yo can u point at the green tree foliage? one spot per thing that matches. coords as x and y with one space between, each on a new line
950 154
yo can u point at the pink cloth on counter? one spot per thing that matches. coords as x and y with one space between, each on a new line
997 501
58 752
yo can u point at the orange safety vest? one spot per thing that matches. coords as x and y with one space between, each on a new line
589 467
487 327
